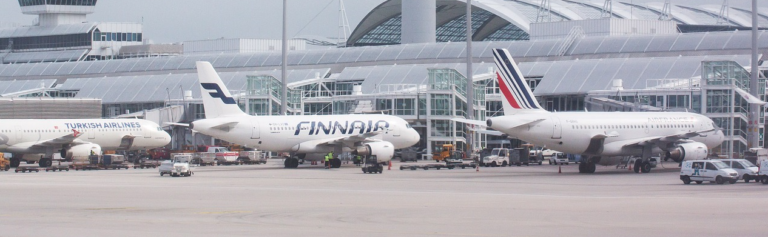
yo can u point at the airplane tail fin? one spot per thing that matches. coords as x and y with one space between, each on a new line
517 95
216 98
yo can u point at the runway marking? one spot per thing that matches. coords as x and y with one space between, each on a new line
222 212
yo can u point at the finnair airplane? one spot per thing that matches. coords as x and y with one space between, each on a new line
76 137
301 136
600 137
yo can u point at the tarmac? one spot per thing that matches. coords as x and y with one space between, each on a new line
268 200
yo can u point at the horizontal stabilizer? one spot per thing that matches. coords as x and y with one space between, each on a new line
176 124
226 127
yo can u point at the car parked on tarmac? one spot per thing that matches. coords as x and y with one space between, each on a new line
558 158
707 170
747 170
762 175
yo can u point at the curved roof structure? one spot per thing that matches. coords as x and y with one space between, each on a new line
510 20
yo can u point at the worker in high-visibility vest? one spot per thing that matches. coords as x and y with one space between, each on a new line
328 158
358 160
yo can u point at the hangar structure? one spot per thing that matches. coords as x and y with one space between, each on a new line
595 69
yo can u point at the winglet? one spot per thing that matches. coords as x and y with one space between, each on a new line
216 98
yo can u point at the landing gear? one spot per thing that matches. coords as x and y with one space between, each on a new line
642 166
588 167
291 163
45 162
335 163
15 162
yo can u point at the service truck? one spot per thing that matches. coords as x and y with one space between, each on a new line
177 166
222 155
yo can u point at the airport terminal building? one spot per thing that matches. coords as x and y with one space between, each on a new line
407 58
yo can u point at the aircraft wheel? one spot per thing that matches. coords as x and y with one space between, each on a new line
638 163
646 168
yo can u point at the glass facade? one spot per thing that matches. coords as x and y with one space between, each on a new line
45 42
455 30
386 33
405 106
116 36
25 3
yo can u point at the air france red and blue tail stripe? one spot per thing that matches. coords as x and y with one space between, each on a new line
513 85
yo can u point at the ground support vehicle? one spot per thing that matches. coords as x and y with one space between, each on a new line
558 158
443 152
57 168
5 164
252 158
113 162
762 175
747 170
204 158
409 155
27 169
520 156
372 165
145 164
498 157
438 166
83 166
707 170
179 166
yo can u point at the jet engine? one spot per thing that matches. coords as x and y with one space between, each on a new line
81 151
382 150
688 151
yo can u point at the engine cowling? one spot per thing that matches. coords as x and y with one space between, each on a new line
82 151
384 151
689 151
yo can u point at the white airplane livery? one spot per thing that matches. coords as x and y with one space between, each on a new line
76 137
302 136
600 137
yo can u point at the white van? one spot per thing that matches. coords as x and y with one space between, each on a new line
558 158
707 170
747 170
762 175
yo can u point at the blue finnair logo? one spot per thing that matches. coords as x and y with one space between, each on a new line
219 93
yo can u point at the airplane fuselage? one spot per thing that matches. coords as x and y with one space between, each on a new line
284 133
573 132
18 135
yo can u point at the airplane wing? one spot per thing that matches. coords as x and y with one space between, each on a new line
664 139
348 141
57 142
473 122
510 124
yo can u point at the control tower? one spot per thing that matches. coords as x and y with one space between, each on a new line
62 34
58 12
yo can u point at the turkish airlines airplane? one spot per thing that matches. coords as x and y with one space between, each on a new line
76 137
600 137
303 136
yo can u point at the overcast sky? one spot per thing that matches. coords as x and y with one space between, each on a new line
167 21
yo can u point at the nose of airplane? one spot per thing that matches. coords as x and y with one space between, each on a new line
166 137
413 137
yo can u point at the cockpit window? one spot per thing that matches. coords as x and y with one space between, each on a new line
408 125
159 129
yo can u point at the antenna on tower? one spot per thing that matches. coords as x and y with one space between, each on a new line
722 19
607 9
344 29
545 12
666 12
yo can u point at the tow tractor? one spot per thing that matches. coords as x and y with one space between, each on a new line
5 165
372 165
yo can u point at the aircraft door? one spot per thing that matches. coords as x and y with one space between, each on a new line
91 134
557 130
255 131
396 130
147 132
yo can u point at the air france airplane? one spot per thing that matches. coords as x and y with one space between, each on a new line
377 135
76 137
600 137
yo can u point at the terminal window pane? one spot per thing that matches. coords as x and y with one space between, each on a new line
404 107
441 105
441 128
